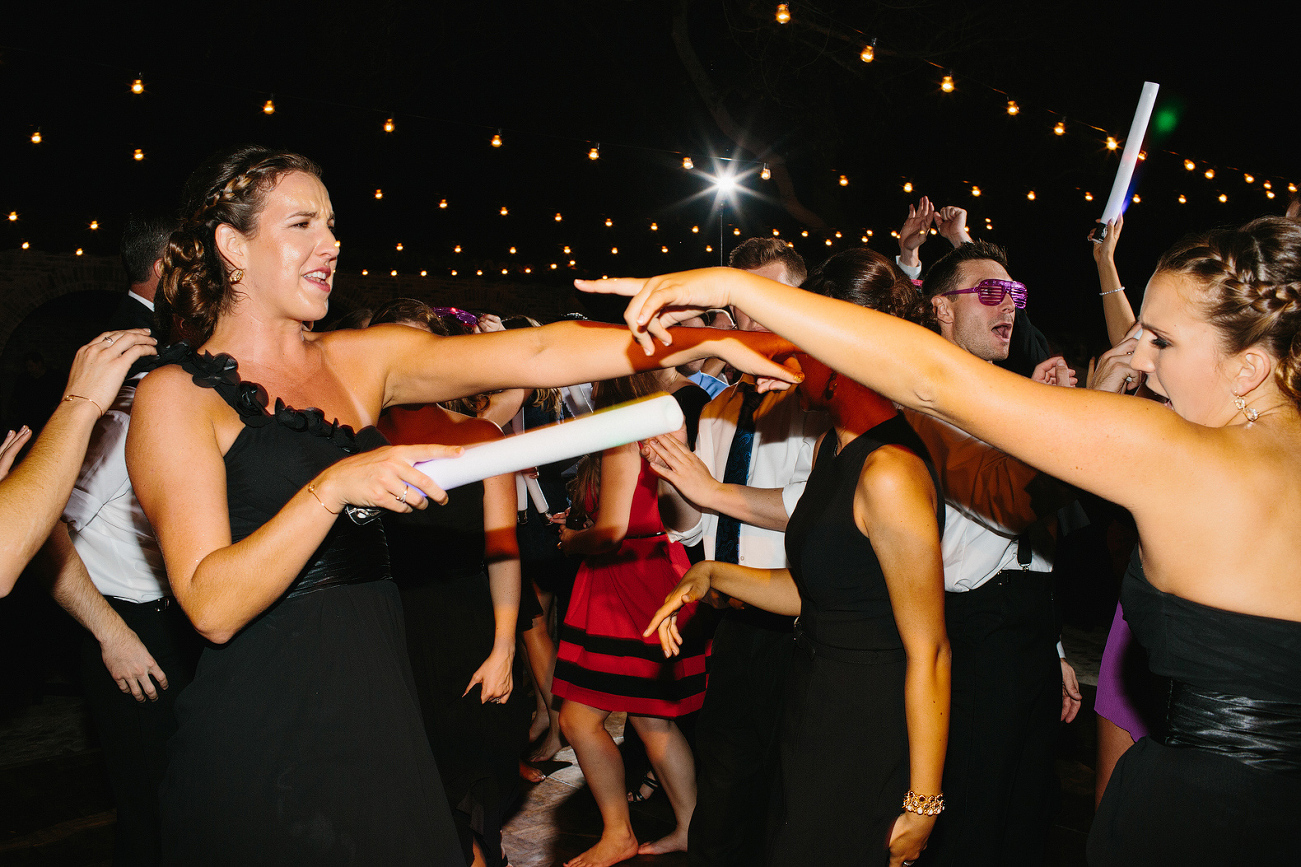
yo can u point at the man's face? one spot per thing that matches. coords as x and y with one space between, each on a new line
773 271
984 331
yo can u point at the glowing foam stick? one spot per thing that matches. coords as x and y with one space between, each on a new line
1129 157
616 426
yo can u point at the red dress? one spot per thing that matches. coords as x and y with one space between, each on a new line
603 661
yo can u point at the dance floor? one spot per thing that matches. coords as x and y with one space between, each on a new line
55 807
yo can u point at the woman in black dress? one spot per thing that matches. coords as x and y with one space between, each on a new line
300 737
865 718
1212 478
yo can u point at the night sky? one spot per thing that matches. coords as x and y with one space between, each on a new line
558 78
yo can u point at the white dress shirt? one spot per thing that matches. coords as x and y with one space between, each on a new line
108 528
781 457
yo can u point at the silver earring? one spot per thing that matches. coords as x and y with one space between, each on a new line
1249 412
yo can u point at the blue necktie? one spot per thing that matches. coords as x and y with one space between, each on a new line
737 472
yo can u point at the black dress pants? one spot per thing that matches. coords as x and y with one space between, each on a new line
1000 779
736 740
134 734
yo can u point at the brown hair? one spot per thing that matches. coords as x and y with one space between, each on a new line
404 310
864 277
1251 278
587 484
757 252
230 188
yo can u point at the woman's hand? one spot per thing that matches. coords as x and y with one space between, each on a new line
101 365
1113 371
13 444
659 302
675 463
908 837
1104 250
693 586
383 478
494 676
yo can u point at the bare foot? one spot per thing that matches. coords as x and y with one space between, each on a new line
610 850
541 723
548 748
530 774
675 842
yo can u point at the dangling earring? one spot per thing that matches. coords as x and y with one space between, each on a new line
1249 413
237 275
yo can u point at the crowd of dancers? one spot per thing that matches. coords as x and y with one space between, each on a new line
825 605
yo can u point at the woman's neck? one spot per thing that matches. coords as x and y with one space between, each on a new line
263 342
855 410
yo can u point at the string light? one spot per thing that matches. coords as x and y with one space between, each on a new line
1267 185
1137 198
1183 200
424 273
828 242
844 181
1112 144
138 155
1012 108
94 224
496 139
838 235
595 153
399 248
783 14
504 210
79 251
1030 195
695 230
528 270
442 203
1190 165
1142 155
736 231
138 86
1223 198
766 173
364 272
558 217
687 163
393 273
1269 194
456 249
512 251
269 107
504 272
908 186
36 137
869 52
379 194
1088 197
608 222
946 83
975 190
776 233
13 216
554 266
614 251
566 251
709 248
664 249
453 272
26 245
1210 174
572 263
1249 179
1060 128
388 125
655 227
1291 188
804 233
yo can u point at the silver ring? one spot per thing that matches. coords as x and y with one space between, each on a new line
402 499
109 338
1129 379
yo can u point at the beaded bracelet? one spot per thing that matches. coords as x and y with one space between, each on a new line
923 805
1112 291
82 397
311 489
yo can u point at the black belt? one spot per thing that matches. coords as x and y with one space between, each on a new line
1258 732
854 656
158 605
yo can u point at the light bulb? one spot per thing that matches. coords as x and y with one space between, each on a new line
138 86
442 203
269 107
528 270
1249 179
664 249
776 233
453 272
614 250
424 273
379 194
1269 194
1012 107
13 216
838 235
736 231
1088 197
554 266
608 222
655 227
558 217
687 163
1190 165
908 187
388 125
1183 200
1267 185
1210 173
1060 129
504 272
783 14
765 173
566 250
828 242
1112 144
1030 195
1223 198
804 233
709 248
456 249
1137 198
869 53
393 273
504 210
1291 188
94 224
26 245
496 139
695 230
364 272
138 155
844 181
946 84
36 137
975 191
399 248
512 251
594 153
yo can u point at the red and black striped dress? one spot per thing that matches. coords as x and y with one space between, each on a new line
603 661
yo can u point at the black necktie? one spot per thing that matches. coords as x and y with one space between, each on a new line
737 472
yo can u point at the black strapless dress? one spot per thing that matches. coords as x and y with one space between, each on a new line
300 739
1222 783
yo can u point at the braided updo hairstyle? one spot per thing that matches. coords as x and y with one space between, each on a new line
1251 279
230 187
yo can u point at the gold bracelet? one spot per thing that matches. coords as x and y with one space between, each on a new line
923 805
311 489
80 397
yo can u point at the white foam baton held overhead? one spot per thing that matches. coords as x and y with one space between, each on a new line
602 430
1129 157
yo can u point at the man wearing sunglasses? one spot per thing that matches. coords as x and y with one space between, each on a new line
1009 688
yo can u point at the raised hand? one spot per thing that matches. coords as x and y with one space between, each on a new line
913 232
951 221
660 302
1054 371
1104 249
1113 370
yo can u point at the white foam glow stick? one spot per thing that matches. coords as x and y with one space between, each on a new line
592 433
1129 156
